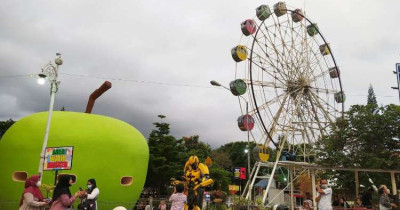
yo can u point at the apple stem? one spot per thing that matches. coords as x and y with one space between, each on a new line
97 93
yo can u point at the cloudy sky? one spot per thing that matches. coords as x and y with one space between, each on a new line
161 55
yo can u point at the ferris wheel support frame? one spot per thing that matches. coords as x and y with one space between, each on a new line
278 156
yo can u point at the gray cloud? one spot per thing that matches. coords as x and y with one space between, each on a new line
177 42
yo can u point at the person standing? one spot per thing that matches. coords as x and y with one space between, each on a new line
32 198
308 200
366 198
92 193
358 203
163 205
306 206
384 199
149 205
324 195
335 201
62 198
343 203
178 198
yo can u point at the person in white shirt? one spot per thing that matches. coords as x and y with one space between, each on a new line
92 192
178 199
324 195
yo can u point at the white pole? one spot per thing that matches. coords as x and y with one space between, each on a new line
291 171
273 170
46 135
254 176
248 149
51 72
393 179
314 193
248 140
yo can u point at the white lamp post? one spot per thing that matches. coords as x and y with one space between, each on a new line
51 72
215 83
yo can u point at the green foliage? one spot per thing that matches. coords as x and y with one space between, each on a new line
166 159
371 97
221 177
193 146
368 140
4 125
168 156
221 159
236 153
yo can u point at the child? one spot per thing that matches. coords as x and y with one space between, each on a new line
162 206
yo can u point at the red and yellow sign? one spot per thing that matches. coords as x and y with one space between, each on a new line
239 173
233 187
58 158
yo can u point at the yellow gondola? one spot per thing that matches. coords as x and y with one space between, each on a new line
260 153
239 53
324 49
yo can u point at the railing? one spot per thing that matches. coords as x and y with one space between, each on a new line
8 205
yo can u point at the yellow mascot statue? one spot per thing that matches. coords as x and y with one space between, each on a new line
197 176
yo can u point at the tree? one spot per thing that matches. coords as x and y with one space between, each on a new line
221 177
236 153
169 155
371 97
166 158
221 159
368 140
4 125
193 146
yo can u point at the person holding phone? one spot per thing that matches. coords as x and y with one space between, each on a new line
178 199
62 198
324 195
90 196
385 202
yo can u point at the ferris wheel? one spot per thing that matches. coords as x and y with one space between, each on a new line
287 74
287 70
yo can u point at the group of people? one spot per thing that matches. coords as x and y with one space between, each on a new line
324 196
178 200
342 202
32 198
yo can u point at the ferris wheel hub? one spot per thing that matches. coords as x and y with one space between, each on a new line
300 86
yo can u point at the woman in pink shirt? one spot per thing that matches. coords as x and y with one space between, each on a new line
178 198
62 198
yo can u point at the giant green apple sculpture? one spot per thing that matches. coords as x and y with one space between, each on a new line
109 150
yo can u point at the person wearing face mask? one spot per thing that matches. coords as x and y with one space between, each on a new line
62 199
324 195
91 194
32 198
384 200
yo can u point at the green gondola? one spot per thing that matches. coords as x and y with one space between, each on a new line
263 12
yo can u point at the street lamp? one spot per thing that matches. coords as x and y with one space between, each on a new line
215 83
51 72
42 79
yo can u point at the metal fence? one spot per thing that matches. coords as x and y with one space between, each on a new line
9 205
